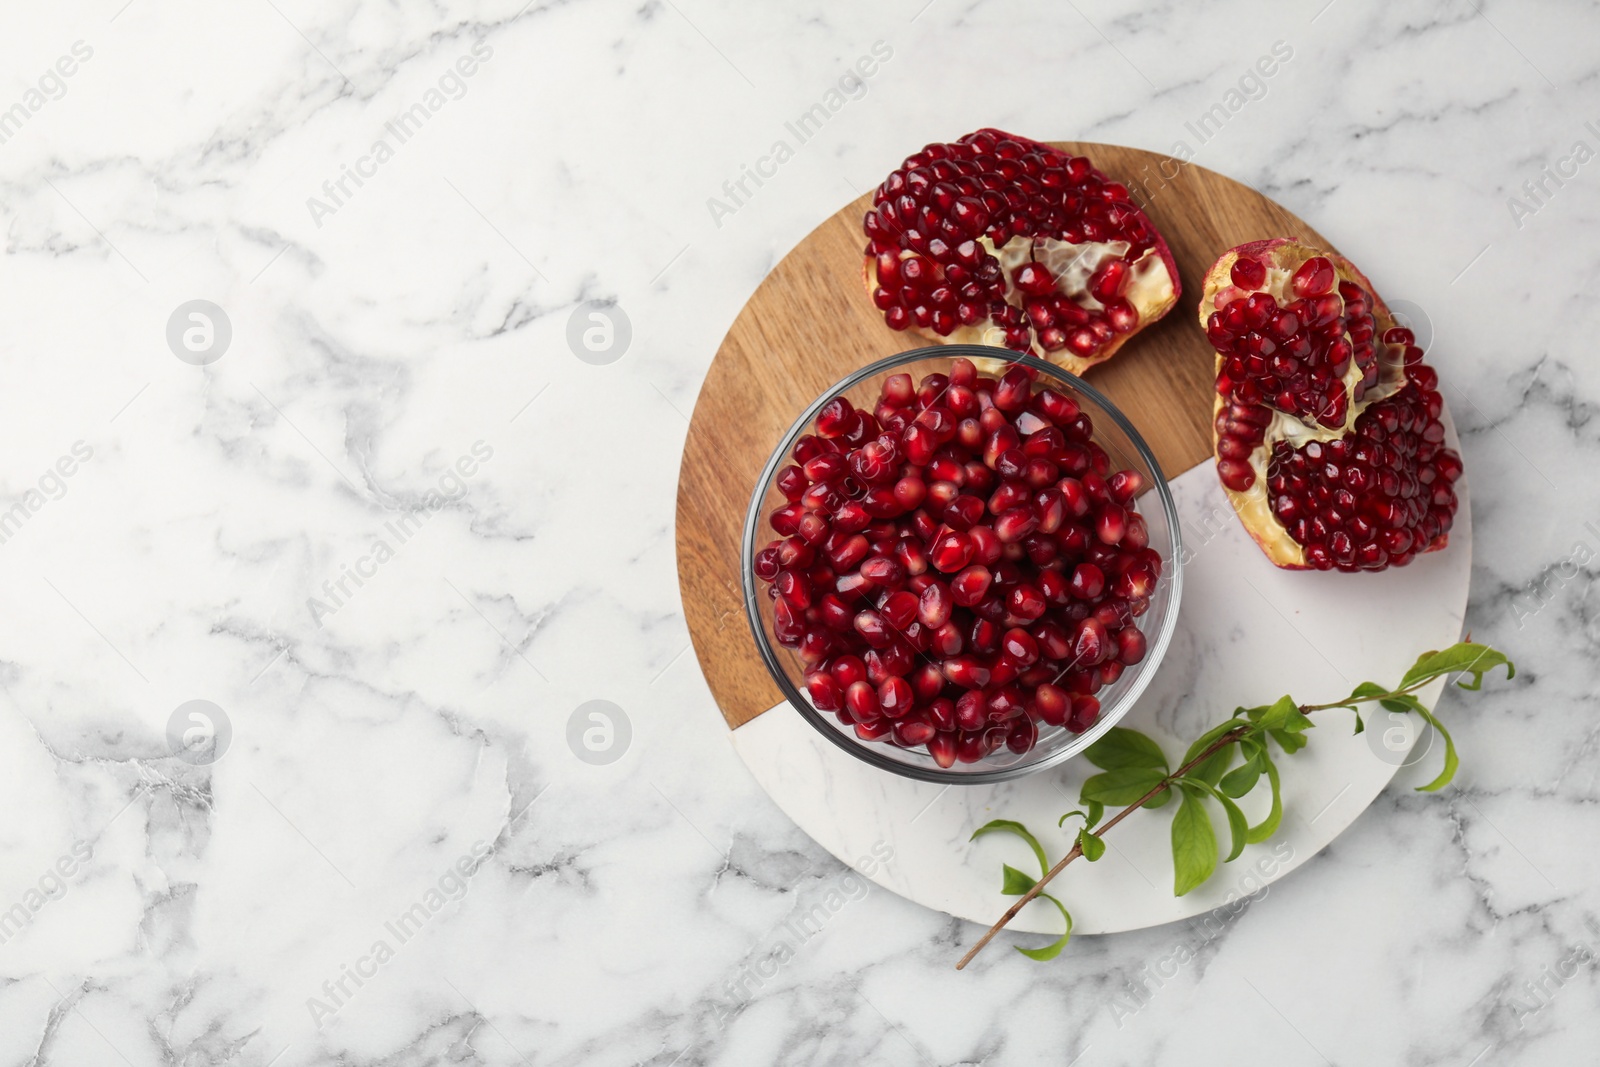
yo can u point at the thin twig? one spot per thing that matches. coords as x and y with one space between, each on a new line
1077 849
1160 787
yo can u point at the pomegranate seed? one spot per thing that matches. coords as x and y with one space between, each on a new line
1053 641
895 697
826 692
1026 602
912 733
899 610
1088 581
910 491
966 672
1015 524
986 546
1034 279
786 520
851 517
862 700
971 747
1248 273
971 710
1085 712
927 682
813 529
884 572
1137 535
1020 646
793 552
947 640
971 586
935 605
847 670
791 482
1313 277
1125 485
1130 646
1016 387
1111 524
951 552
874 731
873 628
1090 643
1022 736
942 747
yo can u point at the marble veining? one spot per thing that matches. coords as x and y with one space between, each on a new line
424 841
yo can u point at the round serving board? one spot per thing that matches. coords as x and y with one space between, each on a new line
1247 632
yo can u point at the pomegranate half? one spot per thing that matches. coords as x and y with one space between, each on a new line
1327 431
999 236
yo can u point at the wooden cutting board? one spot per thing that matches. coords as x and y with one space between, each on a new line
810 323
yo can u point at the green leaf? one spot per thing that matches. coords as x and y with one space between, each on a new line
1120 748
1091 818
1238 827
1360 726
1096 811
1269 826
1285 716
1217 764
1242 779
1007 826
1052 950
1205 739
1014 882
1093 847
1160 800
1407 702
1290 743
1122 786
1466 657
1364 692
1194 845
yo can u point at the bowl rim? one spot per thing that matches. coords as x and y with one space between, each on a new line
865 751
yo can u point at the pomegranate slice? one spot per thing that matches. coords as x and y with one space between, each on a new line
999 233
989 594
1327 431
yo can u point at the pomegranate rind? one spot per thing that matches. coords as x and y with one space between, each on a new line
1151 310
1285 255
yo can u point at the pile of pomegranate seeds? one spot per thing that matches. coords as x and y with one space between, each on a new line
1333 427
959 568
1296 356
997 230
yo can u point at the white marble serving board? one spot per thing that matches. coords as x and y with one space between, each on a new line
1247 634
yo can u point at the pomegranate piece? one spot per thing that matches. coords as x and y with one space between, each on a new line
985 606
1002 240
1327 431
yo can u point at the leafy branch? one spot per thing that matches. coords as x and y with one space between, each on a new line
1135 773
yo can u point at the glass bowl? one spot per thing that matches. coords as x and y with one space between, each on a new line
1128 451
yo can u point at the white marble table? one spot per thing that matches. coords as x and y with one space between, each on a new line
399 535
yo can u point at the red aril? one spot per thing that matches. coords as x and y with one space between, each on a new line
958 568
1327 426
1085 712
999 239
